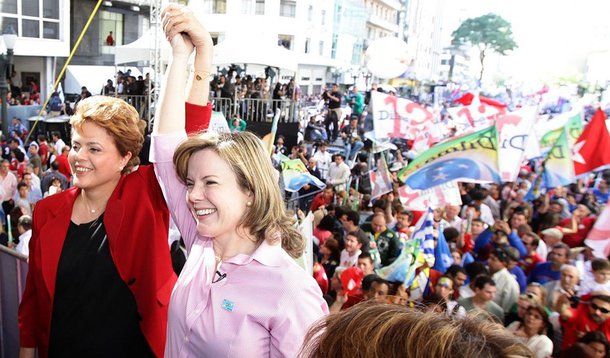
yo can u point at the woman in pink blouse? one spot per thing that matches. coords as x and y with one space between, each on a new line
240 293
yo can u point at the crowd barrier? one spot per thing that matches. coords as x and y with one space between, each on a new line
14 269
258 110
139 102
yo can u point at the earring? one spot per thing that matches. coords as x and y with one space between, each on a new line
121 168
248 204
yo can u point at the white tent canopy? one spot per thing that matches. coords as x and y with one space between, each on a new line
141 49
245 50
237 50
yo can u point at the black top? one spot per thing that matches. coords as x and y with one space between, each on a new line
94 312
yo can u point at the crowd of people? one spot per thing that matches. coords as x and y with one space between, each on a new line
26 94
29 171
522 262
100 269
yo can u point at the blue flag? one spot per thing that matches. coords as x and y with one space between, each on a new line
442 253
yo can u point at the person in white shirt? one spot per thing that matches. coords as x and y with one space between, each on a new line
507 288
323 158
338 173
24 227
600 268
58 143
353 244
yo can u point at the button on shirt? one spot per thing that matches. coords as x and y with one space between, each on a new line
258 305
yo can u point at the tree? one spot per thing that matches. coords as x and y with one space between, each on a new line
487 32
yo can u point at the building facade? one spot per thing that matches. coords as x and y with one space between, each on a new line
43 31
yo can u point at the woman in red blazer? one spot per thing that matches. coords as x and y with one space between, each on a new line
100 273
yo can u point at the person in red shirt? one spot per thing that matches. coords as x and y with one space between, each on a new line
43 150
64 165
323 198
576 228
109 39
530 241
592 314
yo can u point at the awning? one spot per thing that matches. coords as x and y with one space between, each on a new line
245 50
141 49
92 77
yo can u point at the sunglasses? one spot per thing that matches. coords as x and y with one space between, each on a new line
601 309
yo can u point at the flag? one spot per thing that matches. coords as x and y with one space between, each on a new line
380 179
468 97
514 130
470 158
558 168
474 116
599 236
306 260
395 117
435 197
269 138
296 176
550 130
218 123
417 250
592 149
442 254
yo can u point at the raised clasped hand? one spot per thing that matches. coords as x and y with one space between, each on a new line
180 19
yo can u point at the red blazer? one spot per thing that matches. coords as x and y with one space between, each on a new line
137 222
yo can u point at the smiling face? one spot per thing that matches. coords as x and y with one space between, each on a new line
217 202
94 158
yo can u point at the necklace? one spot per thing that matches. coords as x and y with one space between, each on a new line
92 211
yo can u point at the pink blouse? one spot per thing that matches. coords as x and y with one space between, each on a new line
254 306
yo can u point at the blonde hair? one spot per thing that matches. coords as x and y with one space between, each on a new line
120 120
372 329
247 157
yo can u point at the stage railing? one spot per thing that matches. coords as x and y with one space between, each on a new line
13 270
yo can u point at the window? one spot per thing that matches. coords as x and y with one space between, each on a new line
110 22
50 30
288 8
246 6
357 52
310 13
323 16
215 6
31 28
31 18
260 7
30 8
50 9
307 45
285 40
333 49
217 37
321 49
8 7
9 21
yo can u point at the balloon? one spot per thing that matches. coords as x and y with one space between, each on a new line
351 280
387 57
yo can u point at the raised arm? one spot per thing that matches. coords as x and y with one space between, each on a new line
169 129
184 33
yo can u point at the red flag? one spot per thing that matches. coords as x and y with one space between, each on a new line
467 98
592 149
599 236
